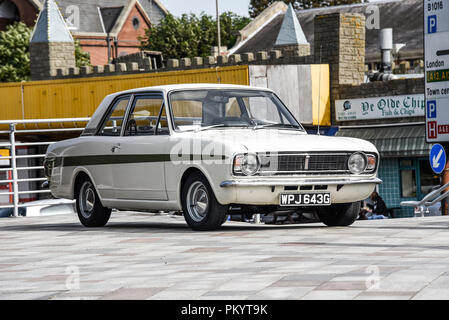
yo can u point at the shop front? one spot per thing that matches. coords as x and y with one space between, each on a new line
392 124
404 166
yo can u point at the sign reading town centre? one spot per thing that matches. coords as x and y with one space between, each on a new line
380 107
436 52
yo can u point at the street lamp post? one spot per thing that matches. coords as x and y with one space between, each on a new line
218 28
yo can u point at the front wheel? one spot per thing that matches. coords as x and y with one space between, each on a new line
342 214
201 209
91 212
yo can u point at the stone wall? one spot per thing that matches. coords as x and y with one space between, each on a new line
49 58
340 42
145 65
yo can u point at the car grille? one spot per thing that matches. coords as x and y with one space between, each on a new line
307 163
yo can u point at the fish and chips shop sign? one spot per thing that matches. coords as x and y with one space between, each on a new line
380 107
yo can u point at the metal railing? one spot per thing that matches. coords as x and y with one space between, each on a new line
429 200
13 170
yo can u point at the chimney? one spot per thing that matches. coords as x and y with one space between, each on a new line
386 45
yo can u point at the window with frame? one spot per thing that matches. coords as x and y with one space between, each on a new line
408 178
113 123
147 116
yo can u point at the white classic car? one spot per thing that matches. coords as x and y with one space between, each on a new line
208 150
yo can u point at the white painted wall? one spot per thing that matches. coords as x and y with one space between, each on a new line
292 83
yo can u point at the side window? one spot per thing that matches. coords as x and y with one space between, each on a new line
144 116
114 120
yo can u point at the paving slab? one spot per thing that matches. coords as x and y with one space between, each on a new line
145 256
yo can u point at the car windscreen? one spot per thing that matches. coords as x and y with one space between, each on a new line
213 108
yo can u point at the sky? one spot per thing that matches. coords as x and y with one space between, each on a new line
178 7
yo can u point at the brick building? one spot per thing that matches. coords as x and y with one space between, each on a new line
106 29
18 10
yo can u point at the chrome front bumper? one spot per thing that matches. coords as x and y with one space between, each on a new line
296 182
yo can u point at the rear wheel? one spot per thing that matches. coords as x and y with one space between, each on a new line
91 212
342 215
201 209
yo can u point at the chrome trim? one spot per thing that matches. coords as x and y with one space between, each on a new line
324 172
306 163
299 182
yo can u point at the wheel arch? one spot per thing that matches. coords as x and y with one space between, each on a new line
186 173
78 174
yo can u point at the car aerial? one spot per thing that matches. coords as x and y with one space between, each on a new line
208 150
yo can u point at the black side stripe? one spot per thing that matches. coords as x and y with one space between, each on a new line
71 161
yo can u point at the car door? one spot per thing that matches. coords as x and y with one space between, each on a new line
142 149
98 149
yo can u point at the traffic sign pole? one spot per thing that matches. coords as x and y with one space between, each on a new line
444 203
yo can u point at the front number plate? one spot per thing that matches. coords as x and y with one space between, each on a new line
305 199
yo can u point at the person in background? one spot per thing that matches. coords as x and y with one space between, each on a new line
376 210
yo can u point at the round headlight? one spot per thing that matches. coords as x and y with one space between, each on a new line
250 164
357 163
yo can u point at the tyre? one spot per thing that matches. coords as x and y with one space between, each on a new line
201 209
91 212
342 215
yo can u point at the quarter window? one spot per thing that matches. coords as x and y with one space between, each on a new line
114 121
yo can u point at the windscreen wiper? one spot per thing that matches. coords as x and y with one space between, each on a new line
210 127
284 125
222 125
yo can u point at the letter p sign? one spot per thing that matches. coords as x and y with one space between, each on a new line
432 24
431 109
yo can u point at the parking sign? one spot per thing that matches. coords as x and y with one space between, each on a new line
431 109
436 52
432 24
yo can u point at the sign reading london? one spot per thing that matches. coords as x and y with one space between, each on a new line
436 52
380 107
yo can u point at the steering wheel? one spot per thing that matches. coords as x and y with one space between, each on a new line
132 126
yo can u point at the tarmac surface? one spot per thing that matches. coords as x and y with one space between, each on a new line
141 256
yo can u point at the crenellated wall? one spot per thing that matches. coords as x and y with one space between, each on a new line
146 65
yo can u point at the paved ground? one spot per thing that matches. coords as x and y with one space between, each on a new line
157 257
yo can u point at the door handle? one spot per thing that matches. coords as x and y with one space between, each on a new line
115 148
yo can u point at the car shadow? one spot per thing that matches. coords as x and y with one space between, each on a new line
154 227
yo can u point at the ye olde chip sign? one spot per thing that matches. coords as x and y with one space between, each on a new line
380 107
436 52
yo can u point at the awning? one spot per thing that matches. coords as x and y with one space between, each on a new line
394 141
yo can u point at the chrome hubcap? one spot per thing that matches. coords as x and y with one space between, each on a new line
197 201
87 200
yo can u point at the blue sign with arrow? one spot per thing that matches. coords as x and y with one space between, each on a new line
437 158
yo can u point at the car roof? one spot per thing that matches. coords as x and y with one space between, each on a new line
189 86
98 114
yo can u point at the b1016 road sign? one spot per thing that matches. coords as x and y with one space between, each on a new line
436 52
437 158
